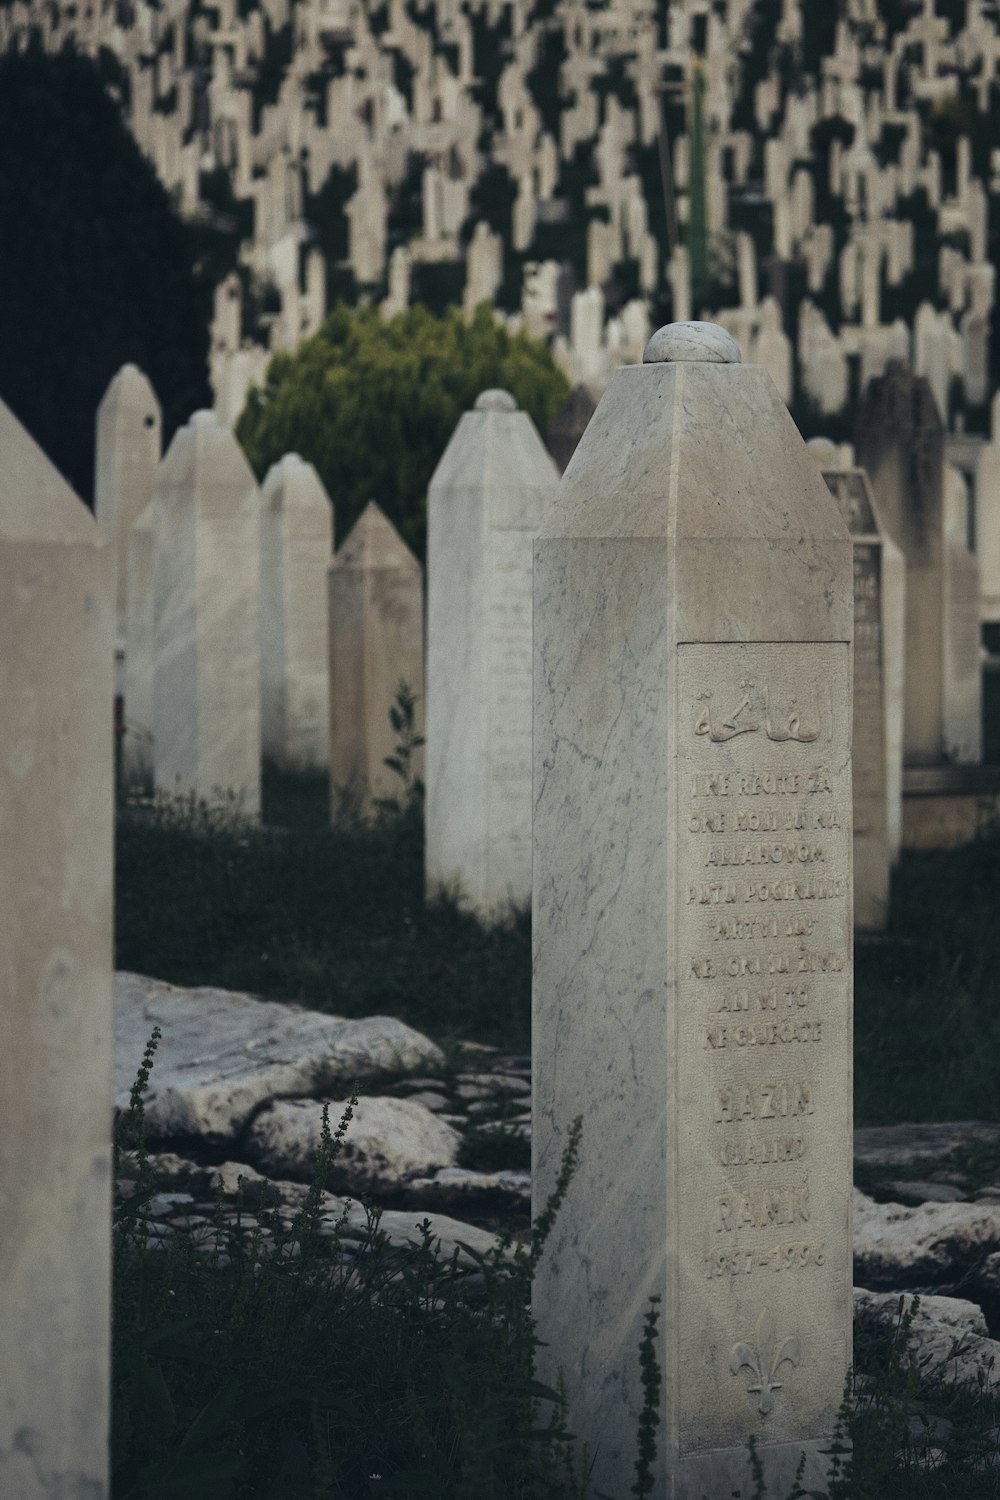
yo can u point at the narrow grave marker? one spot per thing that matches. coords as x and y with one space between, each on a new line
693 616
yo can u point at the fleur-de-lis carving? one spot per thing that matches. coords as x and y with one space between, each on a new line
764 1361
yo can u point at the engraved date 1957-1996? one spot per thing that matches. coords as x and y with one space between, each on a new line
788 1257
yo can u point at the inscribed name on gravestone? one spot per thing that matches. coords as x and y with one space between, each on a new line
764 874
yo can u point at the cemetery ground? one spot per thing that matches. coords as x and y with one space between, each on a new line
279 1340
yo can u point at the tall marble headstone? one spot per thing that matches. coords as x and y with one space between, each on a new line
486 501
296 545
879 647
127 453
206 683
57 626
140 644
899 440
693 616
376 612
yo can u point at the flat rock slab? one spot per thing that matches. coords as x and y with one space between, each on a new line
907 1145
475 1192
224 1054
948 1334
388 1142
896 1246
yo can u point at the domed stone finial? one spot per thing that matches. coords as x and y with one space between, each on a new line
823 451
495 400
683 343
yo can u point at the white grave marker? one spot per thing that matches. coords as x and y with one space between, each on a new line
57 625
296 545
206 686
486 501
376 611
693 611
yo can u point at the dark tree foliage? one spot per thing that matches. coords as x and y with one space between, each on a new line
373 403
96 268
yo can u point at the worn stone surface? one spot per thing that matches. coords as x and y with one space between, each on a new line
896 1246
948 1334
486 500
693 614
206 687
57 628
296 544
127 451
376 642
388 1141
907 1144
879 646
475 1192
223 1054
698 342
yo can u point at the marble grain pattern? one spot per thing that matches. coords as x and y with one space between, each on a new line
57 623
694 557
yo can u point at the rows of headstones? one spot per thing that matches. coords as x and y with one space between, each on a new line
242 637
817 179
639 706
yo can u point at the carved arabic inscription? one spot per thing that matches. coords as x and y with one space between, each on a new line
763 961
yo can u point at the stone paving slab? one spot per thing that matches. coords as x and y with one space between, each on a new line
224 1054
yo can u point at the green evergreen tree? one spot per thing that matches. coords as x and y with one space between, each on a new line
372 403
96 267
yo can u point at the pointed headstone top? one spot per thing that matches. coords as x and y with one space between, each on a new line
495 400
131 389
36 503
678 343
292 480
373 542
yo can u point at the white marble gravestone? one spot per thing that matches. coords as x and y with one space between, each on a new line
127 453
879 647
376 612
57 626
140 644
206 682
486 501
693 615
296 545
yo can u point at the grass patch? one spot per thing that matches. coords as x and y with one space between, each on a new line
927 993
335 917
257 1356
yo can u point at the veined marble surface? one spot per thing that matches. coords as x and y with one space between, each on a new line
693 613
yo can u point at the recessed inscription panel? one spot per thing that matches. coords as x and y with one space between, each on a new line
763 861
